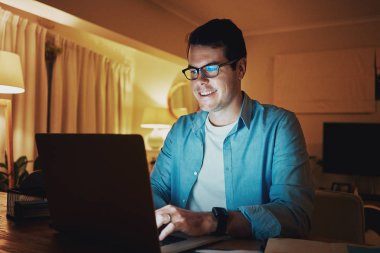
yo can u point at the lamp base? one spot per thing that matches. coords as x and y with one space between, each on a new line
155 141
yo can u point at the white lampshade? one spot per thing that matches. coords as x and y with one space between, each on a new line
11 78
154 117
160 120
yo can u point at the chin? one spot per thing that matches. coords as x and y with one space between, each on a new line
207 108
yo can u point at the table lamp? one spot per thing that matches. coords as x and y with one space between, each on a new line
160 120
11 82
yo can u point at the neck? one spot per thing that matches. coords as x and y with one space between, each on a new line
227 115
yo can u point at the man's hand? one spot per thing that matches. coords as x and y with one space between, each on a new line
188 222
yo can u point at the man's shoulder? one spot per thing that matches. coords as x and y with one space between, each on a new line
258 109
269 115
270 110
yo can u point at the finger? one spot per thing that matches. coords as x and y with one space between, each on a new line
159 220
170 228
162 210
162 219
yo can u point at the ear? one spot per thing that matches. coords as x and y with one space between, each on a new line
241 67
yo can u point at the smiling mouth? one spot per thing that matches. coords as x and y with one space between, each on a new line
206 93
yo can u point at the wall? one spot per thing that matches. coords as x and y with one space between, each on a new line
140 20
155 77
258 82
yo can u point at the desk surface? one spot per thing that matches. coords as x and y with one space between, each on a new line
36 236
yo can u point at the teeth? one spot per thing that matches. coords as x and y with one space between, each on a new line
205 93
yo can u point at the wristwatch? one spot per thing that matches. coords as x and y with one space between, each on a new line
221 216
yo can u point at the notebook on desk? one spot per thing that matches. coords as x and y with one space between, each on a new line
98 185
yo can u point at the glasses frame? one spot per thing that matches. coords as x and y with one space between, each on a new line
202 69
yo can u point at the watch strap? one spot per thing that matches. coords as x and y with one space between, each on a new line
221 216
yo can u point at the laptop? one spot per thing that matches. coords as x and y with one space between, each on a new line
98 185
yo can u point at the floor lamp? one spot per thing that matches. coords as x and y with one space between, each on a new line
11 82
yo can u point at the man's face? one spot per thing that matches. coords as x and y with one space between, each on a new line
217 93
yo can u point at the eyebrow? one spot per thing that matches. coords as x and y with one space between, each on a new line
211 63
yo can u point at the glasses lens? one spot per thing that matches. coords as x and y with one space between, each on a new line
191 74
211 70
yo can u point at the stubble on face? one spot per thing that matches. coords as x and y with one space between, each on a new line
216 95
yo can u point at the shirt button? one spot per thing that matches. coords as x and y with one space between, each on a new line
195 173
183 201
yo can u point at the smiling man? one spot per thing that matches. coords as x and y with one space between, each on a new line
235 167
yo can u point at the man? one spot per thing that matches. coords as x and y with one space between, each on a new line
236 167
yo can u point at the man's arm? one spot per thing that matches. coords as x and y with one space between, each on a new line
161 174
291 193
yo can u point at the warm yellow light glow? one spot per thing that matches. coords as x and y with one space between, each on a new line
155 126
180 111
44 11
160 120
154 117
5 89
11 78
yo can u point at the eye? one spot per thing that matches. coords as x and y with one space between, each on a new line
211 68
192 73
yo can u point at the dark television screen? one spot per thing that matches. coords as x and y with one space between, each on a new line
351 148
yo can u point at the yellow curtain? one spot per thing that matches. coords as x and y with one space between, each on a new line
27 39
90 93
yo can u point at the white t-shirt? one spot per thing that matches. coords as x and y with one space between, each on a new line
209 190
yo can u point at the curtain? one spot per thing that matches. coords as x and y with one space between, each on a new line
27 39
90 93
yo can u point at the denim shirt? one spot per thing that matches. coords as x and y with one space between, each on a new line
266 167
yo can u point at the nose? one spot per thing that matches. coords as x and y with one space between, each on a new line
202 77
200 81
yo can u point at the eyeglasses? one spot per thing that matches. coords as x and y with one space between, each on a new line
209 70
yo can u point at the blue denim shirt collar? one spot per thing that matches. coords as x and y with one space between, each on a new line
246 113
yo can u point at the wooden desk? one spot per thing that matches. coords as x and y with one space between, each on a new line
35 236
